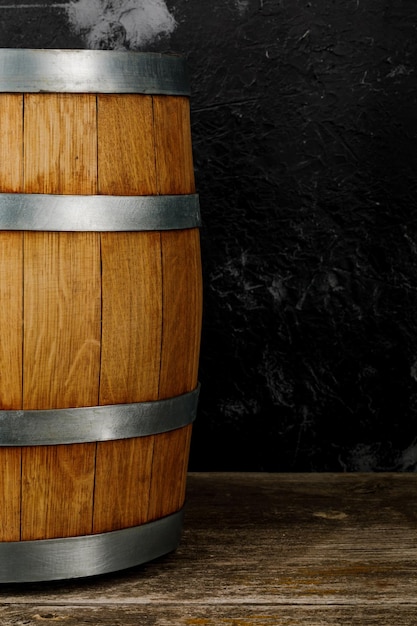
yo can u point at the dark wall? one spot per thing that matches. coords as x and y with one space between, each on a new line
304 124
305 134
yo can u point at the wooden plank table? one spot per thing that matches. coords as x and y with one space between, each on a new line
282 549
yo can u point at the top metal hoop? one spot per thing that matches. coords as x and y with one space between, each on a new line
91 71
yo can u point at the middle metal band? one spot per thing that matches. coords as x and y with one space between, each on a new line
97 423
43 212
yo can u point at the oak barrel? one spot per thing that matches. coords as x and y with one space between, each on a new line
100 309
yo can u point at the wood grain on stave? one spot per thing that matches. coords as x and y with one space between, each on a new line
90 316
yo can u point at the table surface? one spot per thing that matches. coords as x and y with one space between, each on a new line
274 549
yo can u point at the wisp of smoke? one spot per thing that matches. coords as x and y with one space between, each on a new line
120 24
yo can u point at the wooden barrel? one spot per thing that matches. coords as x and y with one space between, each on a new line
100 309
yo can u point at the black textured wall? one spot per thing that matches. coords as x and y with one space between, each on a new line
304 126
305 142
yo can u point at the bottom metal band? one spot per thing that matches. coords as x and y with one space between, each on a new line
76 557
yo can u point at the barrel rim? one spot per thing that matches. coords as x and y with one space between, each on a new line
58 70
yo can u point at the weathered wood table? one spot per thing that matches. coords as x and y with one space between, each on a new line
282 549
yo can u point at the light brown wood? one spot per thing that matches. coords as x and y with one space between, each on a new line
11 142
10 481
11 305
122 483
126 151
11 255
61 369
169 470
134 294
62 320
107 318
182 311
259 549
57 491
11 319
174 159
131 310
62 311
182 301
131 317
130 365
62 270
60 144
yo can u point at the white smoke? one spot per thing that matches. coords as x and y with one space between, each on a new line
242 6
120 24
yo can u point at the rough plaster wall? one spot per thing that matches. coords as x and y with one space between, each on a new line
305 141
304 130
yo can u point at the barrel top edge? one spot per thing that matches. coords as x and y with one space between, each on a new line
52 70
86 52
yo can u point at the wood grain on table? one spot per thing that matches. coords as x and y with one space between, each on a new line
290 549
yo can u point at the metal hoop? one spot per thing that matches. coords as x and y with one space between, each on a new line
97 423
45 212
92 71
89 555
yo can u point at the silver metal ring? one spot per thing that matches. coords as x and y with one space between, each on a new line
92 71
89 555
97 423
45 212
